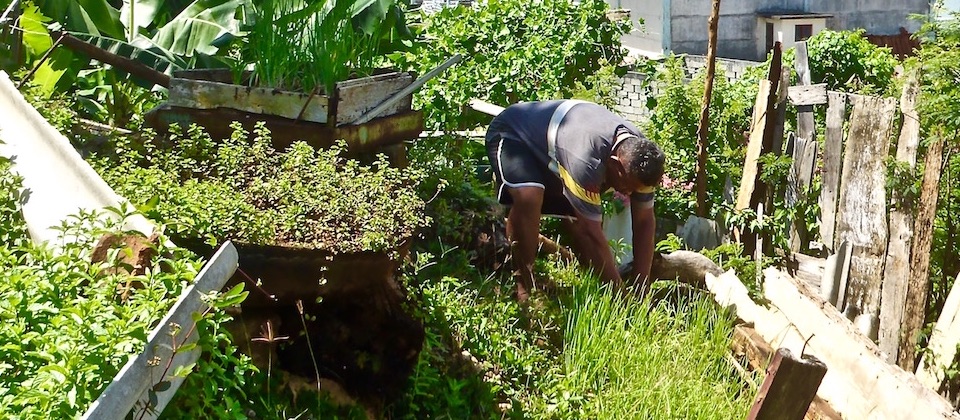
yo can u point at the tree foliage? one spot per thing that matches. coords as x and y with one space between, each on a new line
514 51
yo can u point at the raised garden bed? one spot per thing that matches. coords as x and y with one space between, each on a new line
209 98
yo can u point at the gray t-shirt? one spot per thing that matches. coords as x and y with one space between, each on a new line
574 139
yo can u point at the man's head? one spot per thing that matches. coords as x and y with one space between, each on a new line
636 163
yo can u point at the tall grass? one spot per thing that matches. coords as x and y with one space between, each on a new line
305 45
636 359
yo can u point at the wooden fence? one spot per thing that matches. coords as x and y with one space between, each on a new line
855 207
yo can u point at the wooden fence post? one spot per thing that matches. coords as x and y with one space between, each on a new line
919 283
789 387
832 162
897 270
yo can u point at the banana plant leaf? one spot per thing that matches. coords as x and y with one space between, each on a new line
196 28
88 16
137 14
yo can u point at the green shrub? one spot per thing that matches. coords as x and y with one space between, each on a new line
846 61
243 189
65 332
673 125
514 51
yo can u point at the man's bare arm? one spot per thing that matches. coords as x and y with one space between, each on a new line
644 228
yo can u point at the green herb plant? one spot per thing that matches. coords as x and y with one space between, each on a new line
66 331
243 189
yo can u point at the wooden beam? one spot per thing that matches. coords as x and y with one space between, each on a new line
139 376
862 210
804 152
919 283
859 383
896 273
832 164
942 347
133 67
789 387
806 95
758 353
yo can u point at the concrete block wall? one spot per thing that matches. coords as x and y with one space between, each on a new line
632 97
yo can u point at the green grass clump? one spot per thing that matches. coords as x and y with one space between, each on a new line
639 359
575 352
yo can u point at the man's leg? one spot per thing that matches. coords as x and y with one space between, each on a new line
523 230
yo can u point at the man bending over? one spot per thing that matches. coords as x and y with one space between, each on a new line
556 158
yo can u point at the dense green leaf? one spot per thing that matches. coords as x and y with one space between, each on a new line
137 14
195 29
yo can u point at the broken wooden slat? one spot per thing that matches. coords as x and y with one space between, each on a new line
859 383
754 147
832 162
919 284
862 210
942 347
805 127
131 386
833 286
808 95
789 387
897 270
804 154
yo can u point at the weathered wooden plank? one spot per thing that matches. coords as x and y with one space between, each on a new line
132 384
357 96
832 163
862 210
804 154
201 94
833 286
754 147
919 283
369 137
897 270
806 95
789 387
859 384
942 347
805 127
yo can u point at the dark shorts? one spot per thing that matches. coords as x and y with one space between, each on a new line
514 166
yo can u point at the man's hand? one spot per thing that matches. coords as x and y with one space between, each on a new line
593 249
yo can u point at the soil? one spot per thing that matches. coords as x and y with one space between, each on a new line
358 331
